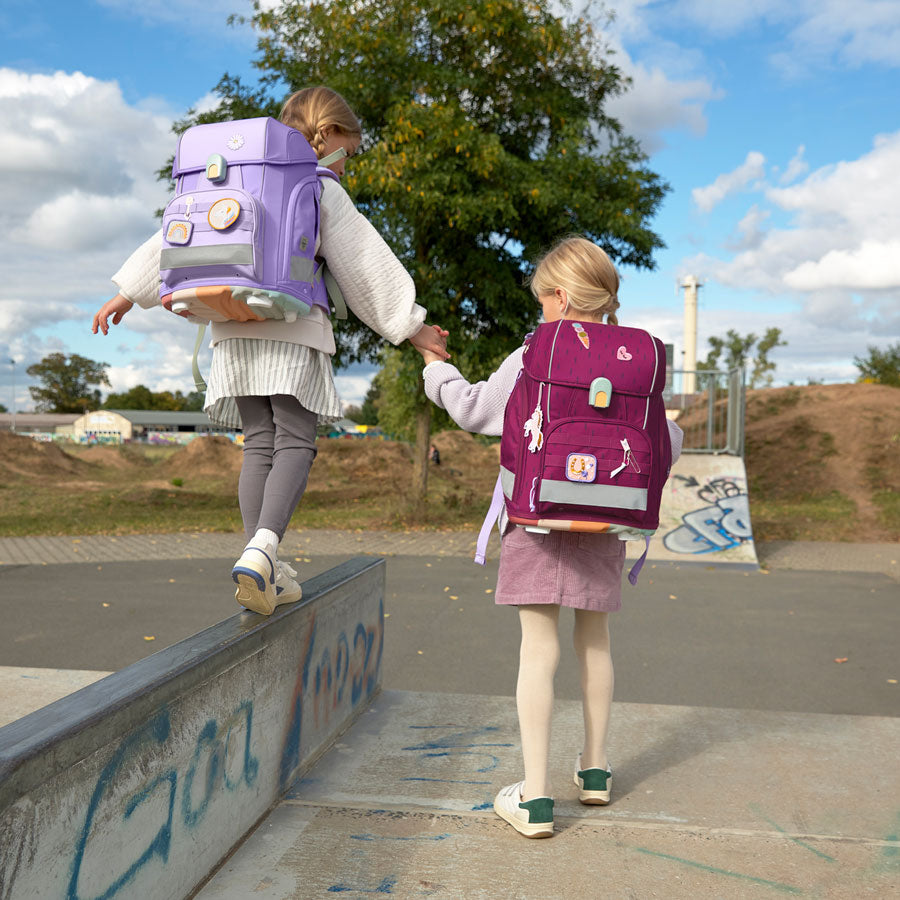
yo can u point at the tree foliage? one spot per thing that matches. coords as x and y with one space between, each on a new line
67 383
485 139
880 366
739 351
141 397
395 398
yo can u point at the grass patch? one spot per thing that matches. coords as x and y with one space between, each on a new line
888 503
132 510
823 517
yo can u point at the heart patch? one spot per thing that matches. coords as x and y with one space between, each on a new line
622 353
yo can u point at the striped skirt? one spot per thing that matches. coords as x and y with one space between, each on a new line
248 367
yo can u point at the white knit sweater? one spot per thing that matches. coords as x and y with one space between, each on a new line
373 281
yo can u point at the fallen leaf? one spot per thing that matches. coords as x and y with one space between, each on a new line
420 652
489 591
105 604
672 597
387 615
892 680
841 659
149 637
171 581
454 597
446 589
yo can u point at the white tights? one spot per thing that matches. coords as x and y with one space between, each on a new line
538 659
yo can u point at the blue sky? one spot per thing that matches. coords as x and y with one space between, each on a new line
777 128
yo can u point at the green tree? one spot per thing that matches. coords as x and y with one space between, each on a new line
739 351
880 366
141 397
485 139
67 383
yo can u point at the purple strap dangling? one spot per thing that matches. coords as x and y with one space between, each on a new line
493 514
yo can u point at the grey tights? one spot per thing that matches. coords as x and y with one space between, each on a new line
279 449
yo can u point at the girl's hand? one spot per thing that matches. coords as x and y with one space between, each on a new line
117 307
431 342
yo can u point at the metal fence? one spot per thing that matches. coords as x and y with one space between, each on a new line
711 409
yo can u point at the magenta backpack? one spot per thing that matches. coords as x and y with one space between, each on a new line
585 443
239 237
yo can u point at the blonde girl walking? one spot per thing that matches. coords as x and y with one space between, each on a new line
540 573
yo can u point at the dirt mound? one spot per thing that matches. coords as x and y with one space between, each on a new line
811 441
361 462
27 458
118 458
459 449
205 456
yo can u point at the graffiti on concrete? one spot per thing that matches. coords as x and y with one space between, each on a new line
327 677
141 800
448 740
721 523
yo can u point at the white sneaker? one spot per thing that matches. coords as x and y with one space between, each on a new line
286 588
254 575
533 818
594 785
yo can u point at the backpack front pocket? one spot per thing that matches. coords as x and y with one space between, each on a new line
211 235
593 471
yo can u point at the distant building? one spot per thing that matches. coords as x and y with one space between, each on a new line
115 426
53 423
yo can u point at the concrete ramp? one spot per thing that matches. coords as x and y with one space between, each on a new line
138 785
705 513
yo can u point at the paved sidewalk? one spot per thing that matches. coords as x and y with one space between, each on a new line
881 558
707 804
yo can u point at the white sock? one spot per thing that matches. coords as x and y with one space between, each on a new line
266 540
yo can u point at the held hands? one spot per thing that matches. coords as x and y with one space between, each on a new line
117 307
431 342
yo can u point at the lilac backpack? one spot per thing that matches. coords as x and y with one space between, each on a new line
585 443
239 237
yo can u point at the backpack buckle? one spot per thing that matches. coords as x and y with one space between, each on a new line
600 393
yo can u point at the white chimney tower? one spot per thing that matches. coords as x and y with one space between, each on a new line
690 285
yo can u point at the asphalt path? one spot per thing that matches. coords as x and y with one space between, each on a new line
803 641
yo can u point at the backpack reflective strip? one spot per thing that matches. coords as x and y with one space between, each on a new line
507 481
220 254
302 269
605 495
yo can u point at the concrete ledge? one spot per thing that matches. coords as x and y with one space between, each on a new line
138 785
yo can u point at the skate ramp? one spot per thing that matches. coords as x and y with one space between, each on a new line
705 513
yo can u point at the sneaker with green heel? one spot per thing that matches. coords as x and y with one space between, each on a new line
594 785
533 818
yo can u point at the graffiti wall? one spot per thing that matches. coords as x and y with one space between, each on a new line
150 812
705 513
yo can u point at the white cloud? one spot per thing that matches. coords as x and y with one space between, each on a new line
752 169
656 103
873 265
352 389
210 16
78 221
796 168
829 273
812 32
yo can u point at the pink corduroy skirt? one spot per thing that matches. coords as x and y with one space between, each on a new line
581 571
